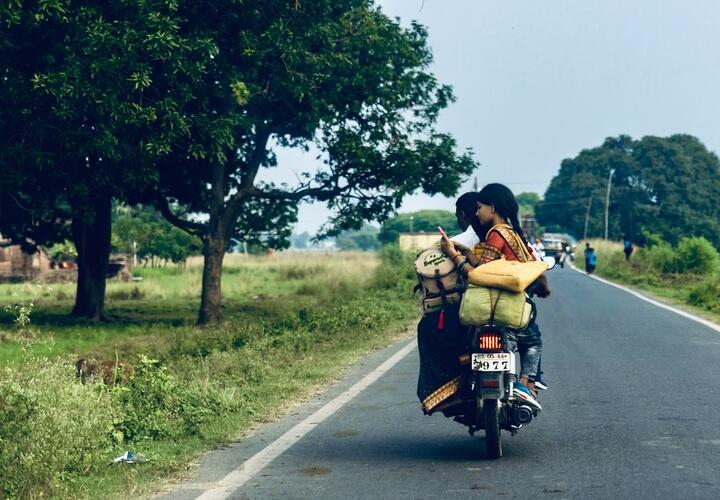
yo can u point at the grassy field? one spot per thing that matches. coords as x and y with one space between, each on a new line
650 270
293 322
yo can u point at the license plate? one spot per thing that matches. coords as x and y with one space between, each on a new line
491 362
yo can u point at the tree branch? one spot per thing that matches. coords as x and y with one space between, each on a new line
193 228
235 202
255 160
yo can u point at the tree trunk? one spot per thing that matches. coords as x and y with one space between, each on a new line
214 245
92 242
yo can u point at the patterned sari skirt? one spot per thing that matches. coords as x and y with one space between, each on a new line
442 345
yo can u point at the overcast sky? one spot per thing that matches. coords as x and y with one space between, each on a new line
537 81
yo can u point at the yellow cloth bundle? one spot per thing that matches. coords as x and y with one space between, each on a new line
505 274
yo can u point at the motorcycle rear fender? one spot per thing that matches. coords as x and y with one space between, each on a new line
490 385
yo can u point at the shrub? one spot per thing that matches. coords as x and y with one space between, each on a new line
652 239
396 270
706 294
156 404
51 429
201 343
697 255
661 257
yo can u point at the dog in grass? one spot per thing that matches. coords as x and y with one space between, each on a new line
112 372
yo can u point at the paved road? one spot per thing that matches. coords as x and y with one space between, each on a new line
631 413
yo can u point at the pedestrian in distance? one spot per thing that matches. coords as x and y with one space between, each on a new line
586 252
538 247
590 259
627 247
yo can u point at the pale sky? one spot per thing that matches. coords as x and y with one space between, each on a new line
536 81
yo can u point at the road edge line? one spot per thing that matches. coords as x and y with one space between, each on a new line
680 312
238 477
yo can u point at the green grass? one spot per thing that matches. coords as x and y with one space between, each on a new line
293 323
694 292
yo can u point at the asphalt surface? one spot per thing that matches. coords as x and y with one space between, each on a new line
632 412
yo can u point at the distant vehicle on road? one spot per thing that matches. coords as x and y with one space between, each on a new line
559 246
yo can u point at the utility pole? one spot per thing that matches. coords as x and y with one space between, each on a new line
587 217
475 185
412 218
607 202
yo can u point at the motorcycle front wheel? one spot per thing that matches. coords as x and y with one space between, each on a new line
491 422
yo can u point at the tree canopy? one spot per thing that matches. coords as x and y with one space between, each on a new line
181 104
662 185
335 74
81 120
526 203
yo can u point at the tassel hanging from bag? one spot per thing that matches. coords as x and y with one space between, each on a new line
441 321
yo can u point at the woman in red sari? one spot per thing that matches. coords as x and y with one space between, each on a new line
498 210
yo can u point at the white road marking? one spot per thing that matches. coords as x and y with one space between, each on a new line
237 478
640 296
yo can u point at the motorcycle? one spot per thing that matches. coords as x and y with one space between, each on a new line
494 404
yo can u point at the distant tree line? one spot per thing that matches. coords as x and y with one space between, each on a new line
663 186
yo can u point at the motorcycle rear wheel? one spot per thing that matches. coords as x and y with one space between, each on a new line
491 422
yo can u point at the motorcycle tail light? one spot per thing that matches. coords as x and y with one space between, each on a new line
490 342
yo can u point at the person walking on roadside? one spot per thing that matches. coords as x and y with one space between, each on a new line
590 259
586 252
627 247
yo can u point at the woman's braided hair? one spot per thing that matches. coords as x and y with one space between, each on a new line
500 197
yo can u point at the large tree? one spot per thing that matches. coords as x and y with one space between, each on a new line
335 74
81 120
661 185
181 103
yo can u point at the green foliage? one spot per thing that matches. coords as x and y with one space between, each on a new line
91 82
687 273
652 239
706 294
364 239
422 221
156 404
526 203
207 385
697 255
663 186
661 257
53 430
396 270
63 251
164 102
142 230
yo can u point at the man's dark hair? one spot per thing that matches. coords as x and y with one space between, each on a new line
467 203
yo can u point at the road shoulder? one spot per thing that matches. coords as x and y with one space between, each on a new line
212 467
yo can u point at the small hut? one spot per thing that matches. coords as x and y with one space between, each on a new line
16 265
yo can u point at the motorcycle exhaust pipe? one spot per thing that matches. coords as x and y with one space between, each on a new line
522 415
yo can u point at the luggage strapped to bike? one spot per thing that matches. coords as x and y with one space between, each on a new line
533 313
